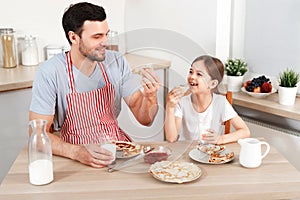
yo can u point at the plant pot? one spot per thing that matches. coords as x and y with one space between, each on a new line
287 95
234 83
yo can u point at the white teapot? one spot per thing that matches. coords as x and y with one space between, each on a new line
250 153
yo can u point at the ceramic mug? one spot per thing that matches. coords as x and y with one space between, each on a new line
251 153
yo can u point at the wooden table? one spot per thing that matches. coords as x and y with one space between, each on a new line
276 178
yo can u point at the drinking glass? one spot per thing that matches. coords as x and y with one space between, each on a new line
202 130
109 144
220 131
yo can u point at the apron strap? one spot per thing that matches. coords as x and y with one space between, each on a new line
71 75
104 73
70 72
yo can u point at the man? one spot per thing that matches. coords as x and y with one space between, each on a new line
79 92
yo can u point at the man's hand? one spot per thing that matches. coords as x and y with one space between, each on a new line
143 105
93 155
150 82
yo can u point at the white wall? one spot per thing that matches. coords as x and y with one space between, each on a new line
272 35
193 21
175 30
267 35
43 18
270 40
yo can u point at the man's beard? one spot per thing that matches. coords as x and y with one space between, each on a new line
92 55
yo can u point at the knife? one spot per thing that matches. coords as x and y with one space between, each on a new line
128 162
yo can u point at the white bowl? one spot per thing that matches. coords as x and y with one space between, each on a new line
158 154
258 95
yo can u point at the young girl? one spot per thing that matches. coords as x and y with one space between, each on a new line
202 109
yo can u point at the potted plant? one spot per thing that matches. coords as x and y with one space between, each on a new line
235 70
287 90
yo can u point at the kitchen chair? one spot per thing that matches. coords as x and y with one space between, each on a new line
227 123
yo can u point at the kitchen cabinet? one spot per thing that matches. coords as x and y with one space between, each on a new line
268 110
14 106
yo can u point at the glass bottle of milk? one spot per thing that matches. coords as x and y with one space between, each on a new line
39 154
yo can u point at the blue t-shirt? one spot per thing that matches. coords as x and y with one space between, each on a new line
51 84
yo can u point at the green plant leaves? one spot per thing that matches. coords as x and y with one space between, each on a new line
235 67
289 78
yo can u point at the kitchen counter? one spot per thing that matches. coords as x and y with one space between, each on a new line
22 77
268 105
16 78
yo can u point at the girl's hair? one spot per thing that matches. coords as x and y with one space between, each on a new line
214 67
77 14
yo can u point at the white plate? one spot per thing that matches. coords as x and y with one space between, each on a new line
258 95
129 149
202 157
175 172
211 148
120 154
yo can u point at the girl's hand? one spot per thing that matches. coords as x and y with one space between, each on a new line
174 96
210 137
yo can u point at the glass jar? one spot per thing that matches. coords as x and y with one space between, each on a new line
39 154
52 50
29 51
8 48
113 41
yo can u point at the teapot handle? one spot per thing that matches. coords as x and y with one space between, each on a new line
267 150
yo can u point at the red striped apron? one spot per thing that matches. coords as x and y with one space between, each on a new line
90 114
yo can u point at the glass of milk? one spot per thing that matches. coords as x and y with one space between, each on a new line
108 143
202 130
212 136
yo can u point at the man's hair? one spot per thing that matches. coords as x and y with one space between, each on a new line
214 66
77 14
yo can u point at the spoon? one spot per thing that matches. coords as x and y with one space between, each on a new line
145 150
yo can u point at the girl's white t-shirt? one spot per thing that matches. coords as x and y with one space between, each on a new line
219 111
